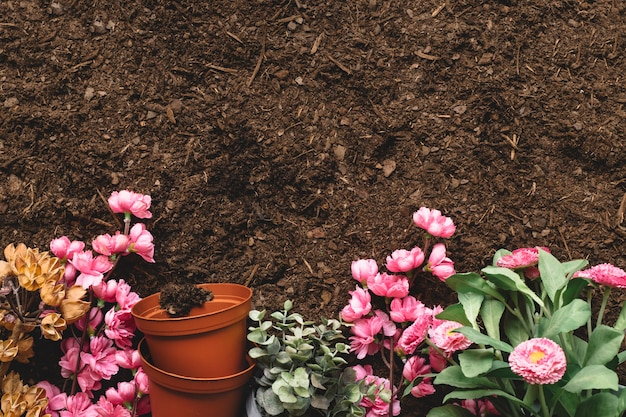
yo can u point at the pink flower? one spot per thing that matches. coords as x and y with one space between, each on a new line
124 297
56 399
91 269
128 358
79 405
111 245
130 202
123 394
358 306
71 357
106 290
65 249
386 285
434 222
414 367
106 408
379 407
94 317
538 361
406 309
141 242
605 274
100 358
521 258
402 260
364 339
363 371
448 340
364 269
437 360
120 327
438 264
142 382
480 407
414 335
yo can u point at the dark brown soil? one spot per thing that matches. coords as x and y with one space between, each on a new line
280 140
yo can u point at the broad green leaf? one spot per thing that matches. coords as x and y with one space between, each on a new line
566 319
621 403
620 323
481 393
601 404
592 377
454 377
454 312
491 313
573 289
604 345
509 280
471 303
477 337
475 362
472 282
502 370
570 267
449 411
552 274
499 254
514 330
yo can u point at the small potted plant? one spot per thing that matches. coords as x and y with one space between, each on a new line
302 367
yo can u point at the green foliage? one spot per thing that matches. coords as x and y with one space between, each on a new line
500 309
302 366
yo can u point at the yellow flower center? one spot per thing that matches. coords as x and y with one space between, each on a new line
536 356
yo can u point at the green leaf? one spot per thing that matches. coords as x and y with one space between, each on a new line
602 404
552 274
256 353
592 377
454 377
510 281
449 411
454 312
570 267
472 282
491 314
566 319
481 393
604 345
471 303
477 337
621 403
475 362
620 323
514 329
573 289
256 315
269 401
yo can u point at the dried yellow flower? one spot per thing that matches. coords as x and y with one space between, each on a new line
72 307
52 326
8 350
25 349
52 293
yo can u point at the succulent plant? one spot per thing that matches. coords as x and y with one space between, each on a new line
301 366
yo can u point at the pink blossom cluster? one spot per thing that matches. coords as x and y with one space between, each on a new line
525 259
384 315
99 355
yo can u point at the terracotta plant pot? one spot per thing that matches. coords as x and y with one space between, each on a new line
210 342
176 395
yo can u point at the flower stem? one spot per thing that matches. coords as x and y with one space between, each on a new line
391 363
542 402
605 298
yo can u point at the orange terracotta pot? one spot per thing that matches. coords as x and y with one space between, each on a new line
173 395
210 342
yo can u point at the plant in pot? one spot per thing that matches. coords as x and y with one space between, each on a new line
302 367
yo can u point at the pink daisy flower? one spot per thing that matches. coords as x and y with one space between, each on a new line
538 361
605 274
446 339
521 258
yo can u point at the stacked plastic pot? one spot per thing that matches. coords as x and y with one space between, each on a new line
197 364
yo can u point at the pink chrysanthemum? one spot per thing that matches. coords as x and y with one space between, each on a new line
446 339
605 274
521 258
538 361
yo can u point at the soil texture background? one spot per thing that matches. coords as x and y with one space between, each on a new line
281 140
